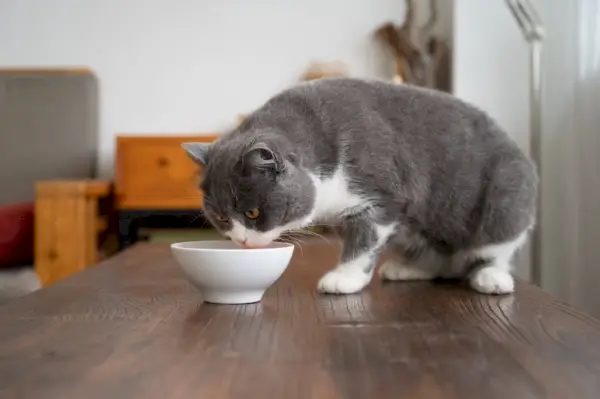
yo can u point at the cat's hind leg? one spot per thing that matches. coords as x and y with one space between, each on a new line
412 262
362 241
489 267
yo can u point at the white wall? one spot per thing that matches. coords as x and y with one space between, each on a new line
491 70
491 67
189 66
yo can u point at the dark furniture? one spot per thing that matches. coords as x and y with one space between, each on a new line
133 327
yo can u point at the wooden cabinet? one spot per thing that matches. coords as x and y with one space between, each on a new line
155 173
67 225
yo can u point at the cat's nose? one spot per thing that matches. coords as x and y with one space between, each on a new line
248 246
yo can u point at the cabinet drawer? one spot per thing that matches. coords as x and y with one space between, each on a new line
156 173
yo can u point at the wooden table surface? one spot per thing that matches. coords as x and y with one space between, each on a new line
133 327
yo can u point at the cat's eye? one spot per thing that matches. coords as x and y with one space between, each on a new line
222 219
266 155
252 214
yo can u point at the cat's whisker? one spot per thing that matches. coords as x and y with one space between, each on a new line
289 235
207 201
301 249
294 235
304 232
194 219
297 241
313 233
285 236
298 244
290 240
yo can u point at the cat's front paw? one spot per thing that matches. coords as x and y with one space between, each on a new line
492 280
343 281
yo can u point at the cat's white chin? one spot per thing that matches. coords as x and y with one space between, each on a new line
251 238
257 239
253 244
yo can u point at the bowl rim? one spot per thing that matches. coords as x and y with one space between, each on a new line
276 246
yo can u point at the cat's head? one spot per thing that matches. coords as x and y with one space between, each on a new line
254 188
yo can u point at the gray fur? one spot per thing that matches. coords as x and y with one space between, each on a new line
435 165
237 180
359 237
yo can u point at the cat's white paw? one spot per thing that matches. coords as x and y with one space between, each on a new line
492 280
394 271
343 281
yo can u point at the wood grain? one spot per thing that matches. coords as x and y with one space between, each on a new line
133 327
67 225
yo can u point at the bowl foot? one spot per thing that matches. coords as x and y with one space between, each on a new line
232 298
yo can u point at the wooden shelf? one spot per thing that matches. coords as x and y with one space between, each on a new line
46 71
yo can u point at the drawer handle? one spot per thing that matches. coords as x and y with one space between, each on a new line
52 255
162 162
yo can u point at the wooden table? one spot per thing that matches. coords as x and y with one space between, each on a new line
134 328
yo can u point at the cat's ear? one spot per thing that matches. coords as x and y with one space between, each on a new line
262 157
198 152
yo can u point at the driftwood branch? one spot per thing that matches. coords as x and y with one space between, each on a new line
419 55
426 32
409 15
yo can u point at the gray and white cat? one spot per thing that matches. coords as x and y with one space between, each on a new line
416 171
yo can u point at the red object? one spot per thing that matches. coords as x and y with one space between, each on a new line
16 234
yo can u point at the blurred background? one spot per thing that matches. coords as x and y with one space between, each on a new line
96 95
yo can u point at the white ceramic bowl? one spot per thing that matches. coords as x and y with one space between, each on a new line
226 273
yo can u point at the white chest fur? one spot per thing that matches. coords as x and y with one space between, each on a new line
333 197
